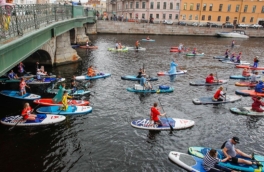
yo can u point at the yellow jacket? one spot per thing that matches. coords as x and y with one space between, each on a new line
64 102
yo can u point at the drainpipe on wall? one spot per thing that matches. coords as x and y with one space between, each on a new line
201 6
240 11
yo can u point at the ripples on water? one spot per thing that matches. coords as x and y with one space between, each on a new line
104 139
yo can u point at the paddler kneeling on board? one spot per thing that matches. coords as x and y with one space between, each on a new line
219 94
259 87
253 78
64 100
245 72
256 104
26 113
91 71
155 113
143 82
194 51
210 79
147 38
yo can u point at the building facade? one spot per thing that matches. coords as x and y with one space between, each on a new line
145 9
222 11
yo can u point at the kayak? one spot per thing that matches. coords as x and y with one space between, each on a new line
231 62
190 54
105 75
139 48
245 84
49 102
140 89
89 47
249 93
120 50
188 162
75 45
202 151
77 92
16 95
209 100
134 78
72 110
242 77
221 57
177 124
250 67
41 119
203 83
246 111
167 74
150 40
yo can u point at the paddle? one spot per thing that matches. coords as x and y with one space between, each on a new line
171 129
216 77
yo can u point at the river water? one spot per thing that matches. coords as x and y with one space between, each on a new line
104 139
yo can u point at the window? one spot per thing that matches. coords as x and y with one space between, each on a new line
183 17
177 6
143 16
245 8
151 5
237 8
190 17
253 8
211 7
151 16
164 16
164 5
262 10
143 5
204 7
243 19
229 8
197 7
176 16
127 5
251 19
203 17
170 16
219 18
220 7
184 6
171 5
158 5
119 6
227 18
196 17
191 6
209 18
131 4
137 4
157 16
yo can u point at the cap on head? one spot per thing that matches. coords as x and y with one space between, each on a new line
236 139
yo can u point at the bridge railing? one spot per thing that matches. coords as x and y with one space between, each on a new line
19 19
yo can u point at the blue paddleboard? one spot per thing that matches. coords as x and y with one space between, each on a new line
149 40
242 77
134 78
171 89
72 110
16 95
93 77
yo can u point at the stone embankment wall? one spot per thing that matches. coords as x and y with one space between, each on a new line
162 29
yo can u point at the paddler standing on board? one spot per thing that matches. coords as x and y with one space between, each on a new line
155 113
219 94
173 68
22 86
137 44
64 100
233 44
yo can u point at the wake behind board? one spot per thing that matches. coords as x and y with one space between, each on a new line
49 102
203 83
41 119
86 77
249 93
209 100
16 95
77 92
177 124
72 110
246 111
242 77
134 78
245 84
250 67
195 55
135 49
202 151
188 162
180 72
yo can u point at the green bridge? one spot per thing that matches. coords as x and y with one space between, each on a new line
26 28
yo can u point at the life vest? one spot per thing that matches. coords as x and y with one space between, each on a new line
245 73
91 72
137 43
217 94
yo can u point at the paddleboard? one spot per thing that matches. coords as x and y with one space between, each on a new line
202 54
249 93
221 57
72 110
134 78
139 48
242 77
177 124
203 83
167 74
89 47
250 67
202 151
75 45
188 162
149 40
77 92
105 75
49 102
119 50
42 76
45 80
174 47
245 84
41 119
170 90
246 111
231 62
16 95
209 100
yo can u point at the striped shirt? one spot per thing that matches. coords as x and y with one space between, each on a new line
209 162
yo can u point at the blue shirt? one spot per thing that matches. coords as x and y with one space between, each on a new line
11 75
142 81
173 68
259 87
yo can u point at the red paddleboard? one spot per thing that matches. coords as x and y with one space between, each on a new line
250 67
49 102
249 93
245 84
89 47
174 50
174 47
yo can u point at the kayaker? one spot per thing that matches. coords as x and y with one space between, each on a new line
210 162
91 71
253 78
116 45
12 75
231 152
233 44
64 100
210 79
219 94
137 44
194 51
256 62
173 67
226 53
256 104
154 114
238 58
232 58
144 83
22 86
259 87
26 113
245 72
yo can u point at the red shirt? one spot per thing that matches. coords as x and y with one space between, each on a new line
257 103
218 94
209 79
26 112
22 84
154 114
